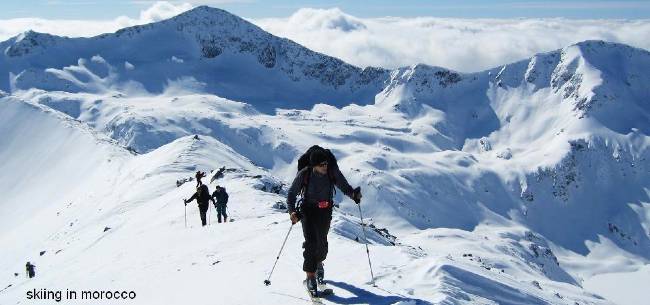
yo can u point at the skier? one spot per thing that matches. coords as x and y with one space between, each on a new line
199 175
316 185
30 270
202 196
220 199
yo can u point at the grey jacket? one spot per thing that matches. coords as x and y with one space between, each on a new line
319 187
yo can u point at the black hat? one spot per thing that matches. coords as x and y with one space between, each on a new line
317 157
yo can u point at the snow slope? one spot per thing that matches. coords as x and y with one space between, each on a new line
134 231
506 186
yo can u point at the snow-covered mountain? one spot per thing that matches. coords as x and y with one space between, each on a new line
514 185
206 48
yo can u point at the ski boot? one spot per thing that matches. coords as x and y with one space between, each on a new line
312 287
320 274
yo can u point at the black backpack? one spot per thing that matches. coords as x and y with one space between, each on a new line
203 193
225 194
332 167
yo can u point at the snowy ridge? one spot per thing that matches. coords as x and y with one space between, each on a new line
250 62
217 31
507 186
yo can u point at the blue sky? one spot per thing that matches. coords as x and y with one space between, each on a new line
579 9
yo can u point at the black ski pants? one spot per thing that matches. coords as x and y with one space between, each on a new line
221 211
203 209
315 226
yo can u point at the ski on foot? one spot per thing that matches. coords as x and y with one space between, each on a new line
320 280
313 293
323 289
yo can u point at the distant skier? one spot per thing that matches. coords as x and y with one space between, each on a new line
317 175
202 196
220 199
199 175
30 269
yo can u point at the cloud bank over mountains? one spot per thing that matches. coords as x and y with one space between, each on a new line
465 45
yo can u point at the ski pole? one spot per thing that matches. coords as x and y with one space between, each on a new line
267 282
363 228
185 214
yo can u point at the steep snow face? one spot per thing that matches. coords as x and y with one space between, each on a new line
220 52
586 191
456 100
596 78
622 91
544 131
48 163
559 139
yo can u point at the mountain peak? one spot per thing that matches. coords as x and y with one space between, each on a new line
203 9
202 21
207 12
602 53
601 44
212 17
30 34
30 41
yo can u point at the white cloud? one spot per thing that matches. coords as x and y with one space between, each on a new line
86 28
460 44
310 20
198 2
163 10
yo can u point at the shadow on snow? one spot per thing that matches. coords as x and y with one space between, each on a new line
362 296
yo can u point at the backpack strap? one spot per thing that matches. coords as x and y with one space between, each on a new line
305 182
303 189
330 175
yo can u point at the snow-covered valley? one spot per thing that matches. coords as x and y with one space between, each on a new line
515 185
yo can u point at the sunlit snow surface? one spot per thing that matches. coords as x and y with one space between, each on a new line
524 184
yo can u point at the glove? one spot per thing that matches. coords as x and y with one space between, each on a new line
294 217
185 201
356 195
